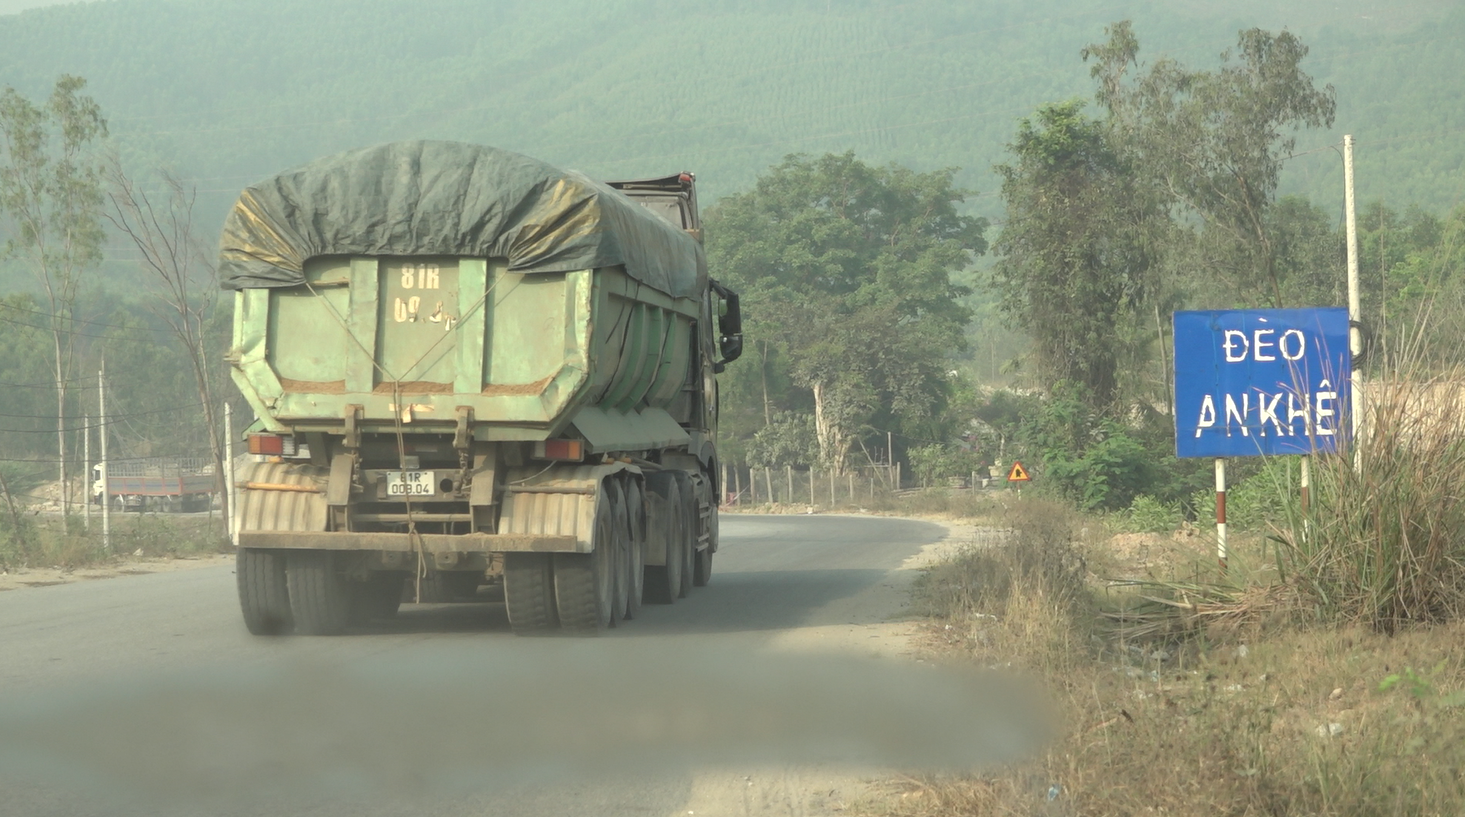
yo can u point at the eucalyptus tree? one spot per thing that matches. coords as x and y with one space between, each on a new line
181 278
846 269
1075 256
51 193
1216 141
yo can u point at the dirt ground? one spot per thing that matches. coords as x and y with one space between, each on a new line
27 578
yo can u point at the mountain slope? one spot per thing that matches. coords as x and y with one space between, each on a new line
230 91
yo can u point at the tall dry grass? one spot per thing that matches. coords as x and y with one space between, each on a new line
1028 574
1384 541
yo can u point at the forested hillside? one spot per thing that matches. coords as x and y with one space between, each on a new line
225 93
229 91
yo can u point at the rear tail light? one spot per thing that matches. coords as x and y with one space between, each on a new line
273 445
565 450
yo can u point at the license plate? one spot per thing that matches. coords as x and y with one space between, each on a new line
411 483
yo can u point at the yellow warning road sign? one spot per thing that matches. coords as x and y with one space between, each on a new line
1018 473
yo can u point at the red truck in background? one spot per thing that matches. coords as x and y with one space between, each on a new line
170 485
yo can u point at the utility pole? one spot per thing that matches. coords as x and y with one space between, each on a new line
890 459
86 470
102 433
1355 309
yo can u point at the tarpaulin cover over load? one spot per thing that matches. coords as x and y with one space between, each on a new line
449 198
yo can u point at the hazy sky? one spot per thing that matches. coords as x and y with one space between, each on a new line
12 6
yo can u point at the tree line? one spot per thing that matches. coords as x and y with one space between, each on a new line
61 187
862 282
1159 193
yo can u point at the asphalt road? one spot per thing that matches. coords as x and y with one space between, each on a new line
134 652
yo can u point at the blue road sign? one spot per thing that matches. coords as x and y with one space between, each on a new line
1260 381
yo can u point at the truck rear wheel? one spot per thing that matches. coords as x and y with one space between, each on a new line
529 592
664 581
320 598
702 561
688 539
703 572
585 583
636 549
621 536
263 593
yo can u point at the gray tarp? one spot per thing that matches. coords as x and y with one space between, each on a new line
448 198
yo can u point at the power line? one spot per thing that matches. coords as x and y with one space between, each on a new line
1408 137
111 419
54 316
72 332
82 384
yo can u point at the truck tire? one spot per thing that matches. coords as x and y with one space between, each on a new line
264 597
622 551
529 592
702 571
689 533
664 582
379 597
320 597
636 549
713 525
702 574
702 560
585 583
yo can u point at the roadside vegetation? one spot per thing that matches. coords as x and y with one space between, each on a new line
40 542
1287 687
1318 673
962 505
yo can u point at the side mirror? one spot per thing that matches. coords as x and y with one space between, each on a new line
729 326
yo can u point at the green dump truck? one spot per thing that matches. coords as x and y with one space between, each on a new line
471 368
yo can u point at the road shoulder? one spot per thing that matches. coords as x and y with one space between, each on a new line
34 578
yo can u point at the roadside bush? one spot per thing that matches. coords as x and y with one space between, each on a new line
1149 515
1262 502
1094 461
16 535
788 440
935 463
46 542
1109 474
155 535
17 523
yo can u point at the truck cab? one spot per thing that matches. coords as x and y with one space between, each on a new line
673 198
